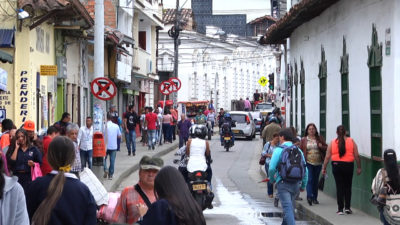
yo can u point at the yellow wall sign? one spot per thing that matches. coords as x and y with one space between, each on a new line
263 81
48 70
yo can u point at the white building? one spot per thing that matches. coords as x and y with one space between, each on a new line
345 60
216 66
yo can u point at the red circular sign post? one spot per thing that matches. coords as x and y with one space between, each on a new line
103 88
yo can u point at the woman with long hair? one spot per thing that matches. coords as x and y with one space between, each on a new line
175 205
389 178
59 197
12 200
342 151
314 148
21 156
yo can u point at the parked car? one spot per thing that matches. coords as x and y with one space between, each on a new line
261 112
245 126
264 108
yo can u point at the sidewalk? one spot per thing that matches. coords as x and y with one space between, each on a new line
125 165
325 212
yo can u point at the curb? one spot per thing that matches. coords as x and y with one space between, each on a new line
135 167
299 206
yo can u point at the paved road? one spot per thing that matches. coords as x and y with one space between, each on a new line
240 199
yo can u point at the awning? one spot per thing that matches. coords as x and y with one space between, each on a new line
5 57
6 38
299 14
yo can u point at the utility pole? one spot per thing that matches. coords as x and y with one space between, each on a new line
98 105
176 45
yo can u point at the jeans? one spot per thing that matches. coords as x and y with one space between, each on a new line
312 185
287 194
382 217
131 141
86 157
167 132
182 141
270 185
152 138
159 136
343 174
118 144
173 132
112 154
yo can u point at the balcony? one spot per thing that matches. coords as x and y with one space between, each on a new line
144 62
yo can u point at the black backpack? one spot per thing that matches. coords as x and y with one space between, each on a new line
292 167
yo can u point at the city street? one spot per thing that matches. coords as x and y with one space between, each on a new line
239 198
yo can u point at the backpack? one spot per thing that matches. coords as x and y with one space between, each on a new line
292 167
225 127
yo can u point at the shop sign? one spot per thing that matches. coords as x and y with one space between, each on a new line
23 95
48 70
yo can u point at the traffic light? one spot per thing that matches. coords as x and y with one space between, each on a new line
271 81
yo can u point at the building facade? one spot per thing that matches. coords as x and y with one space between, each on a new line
214 67
343 70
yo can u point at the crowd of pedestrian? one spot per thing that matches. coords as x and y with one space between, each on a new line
315 155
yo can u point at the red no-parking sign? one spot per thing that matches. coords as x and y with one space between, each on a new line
103 88
172 85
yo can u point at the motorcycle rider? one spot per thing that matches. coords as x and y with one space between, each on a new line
200 118
198 152
226 126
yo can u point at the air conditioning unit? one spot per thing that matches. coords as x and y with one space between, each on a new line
149 66
62 67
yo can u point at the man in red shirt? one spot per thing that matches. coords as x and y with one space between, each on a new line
151 123
174 114
52 132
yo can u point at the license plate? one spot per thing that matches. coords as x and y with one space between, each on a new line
197 187
235 131
227 138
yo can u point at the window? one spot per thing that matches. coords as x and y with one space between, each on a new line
291 94
296 78
142 40
375 79
344 71
303 101
322 93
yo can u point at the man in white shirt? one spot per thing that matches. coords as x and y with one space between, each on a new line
85 140
112 134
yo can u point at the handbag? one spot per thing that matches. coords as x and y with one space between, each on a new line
106 212
262 160
380 193
36 171
321 183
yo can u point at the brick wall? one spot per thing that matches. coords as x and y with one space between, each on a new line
110 15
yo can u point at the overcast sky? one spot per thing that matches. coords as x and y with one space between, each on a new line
253 8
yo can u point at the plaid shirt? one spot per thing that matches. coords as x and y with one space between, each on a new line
126 210
76 167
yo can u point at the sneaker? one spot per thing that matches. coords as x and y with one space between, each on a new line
110 177
105 174
271 196
348 211
340 213
133 154
153 147
315 201
298 198
129 153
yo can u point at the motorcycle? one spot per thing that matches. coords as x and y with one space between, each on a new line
199 188
197 182
228 143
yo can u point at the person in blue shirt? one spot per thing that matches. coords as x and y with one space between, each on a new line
287 191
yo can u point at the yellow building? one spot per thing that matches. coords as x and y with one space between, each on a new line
32 78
